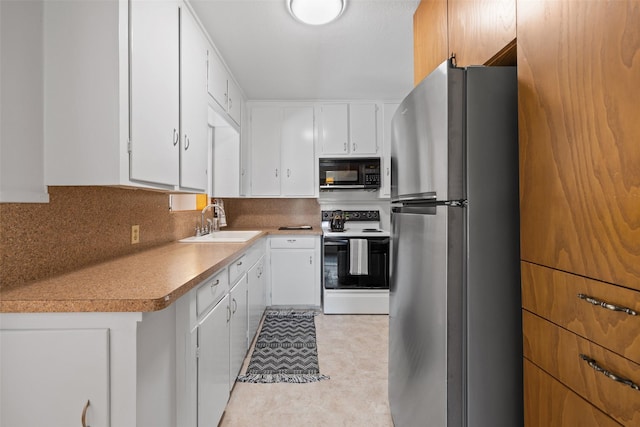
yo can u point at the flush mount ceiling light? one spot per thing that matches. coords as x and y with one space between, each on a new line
316 12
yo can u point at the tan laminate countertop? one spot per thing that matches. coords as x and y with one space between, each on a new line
147 281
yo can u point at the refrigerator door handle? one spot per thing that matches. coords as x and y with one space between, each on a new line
416 210
415 198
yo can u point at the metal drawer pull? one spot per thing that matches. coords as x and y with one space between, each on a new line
84 415
239 264
607 305
608 374
215 284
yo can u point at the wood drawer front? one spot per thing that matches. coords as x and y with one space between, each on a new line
548 403
553 295
558 351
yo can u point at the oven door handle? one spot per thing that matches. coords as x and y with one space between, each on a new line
335 242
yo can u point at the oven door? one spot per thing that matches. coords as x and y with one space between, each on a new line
337 266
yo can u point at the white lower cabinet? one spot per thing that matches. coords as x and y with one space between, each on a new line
123 364
239 328
212 340
213 364
49 377
295 270
257 301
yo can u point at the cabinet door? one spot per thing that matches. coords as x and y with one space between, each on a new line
363 133
235 101
266 125
216 78
194 142
298 160
213 364
226 162
48 376
154 68
293 280
578 137
256 296
239 327
334 131
429 38
387 113
479 29
549 403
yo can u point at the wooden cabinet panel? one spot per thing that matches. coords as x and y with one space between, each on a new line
429 38
578 97
548 403
478 29
554 294
558 352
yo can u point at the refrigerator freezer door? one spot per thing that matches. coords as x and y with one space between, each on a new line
424 319
425 127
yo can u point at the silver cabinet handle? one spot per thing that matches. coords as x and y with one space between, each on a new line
345 147
175 137
84 415
235 306
310 260
276 172
593 364
213 285
228 313
355 146
288 172
186 142
291 240
606 305
387 171
230 103
239 264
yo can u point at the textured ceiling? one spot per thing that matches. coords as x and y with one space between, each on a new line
366 54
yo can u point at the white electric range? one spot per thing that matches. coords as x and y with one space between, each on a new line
355 264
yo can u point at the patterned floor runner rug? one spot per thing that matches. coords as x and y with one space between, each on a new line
285 350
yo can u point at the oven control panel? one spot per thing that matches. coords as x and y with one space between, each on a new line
353 215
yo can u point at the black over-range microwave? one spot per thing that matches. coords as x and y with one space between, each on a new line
347 174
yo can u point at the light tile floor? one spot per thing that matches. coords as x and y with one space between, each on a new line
353 351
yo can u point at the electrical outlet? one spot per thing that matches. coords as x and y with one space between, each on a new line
135 234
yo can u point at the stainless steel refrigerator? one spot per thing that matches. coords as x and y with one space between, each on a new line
455 342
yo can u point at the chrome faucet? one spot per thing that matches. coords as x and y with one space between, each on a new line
215 222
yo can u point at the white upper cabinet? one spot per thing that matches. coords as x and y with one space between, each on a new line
363 133
298 161
349 129
235 101
222 88
334 133
388 110
125 95
266 134
282 151
155 97
194 125
22 134
216 78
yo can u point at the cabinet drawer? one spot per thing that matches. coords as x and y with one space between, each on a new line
549 403
237 268
560 353
293 242
211 291
553 294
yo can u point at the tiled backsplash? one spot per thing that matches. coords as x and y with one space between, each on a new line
86 225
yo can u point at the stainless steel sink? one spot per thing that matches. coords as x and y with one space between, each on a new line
226 236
